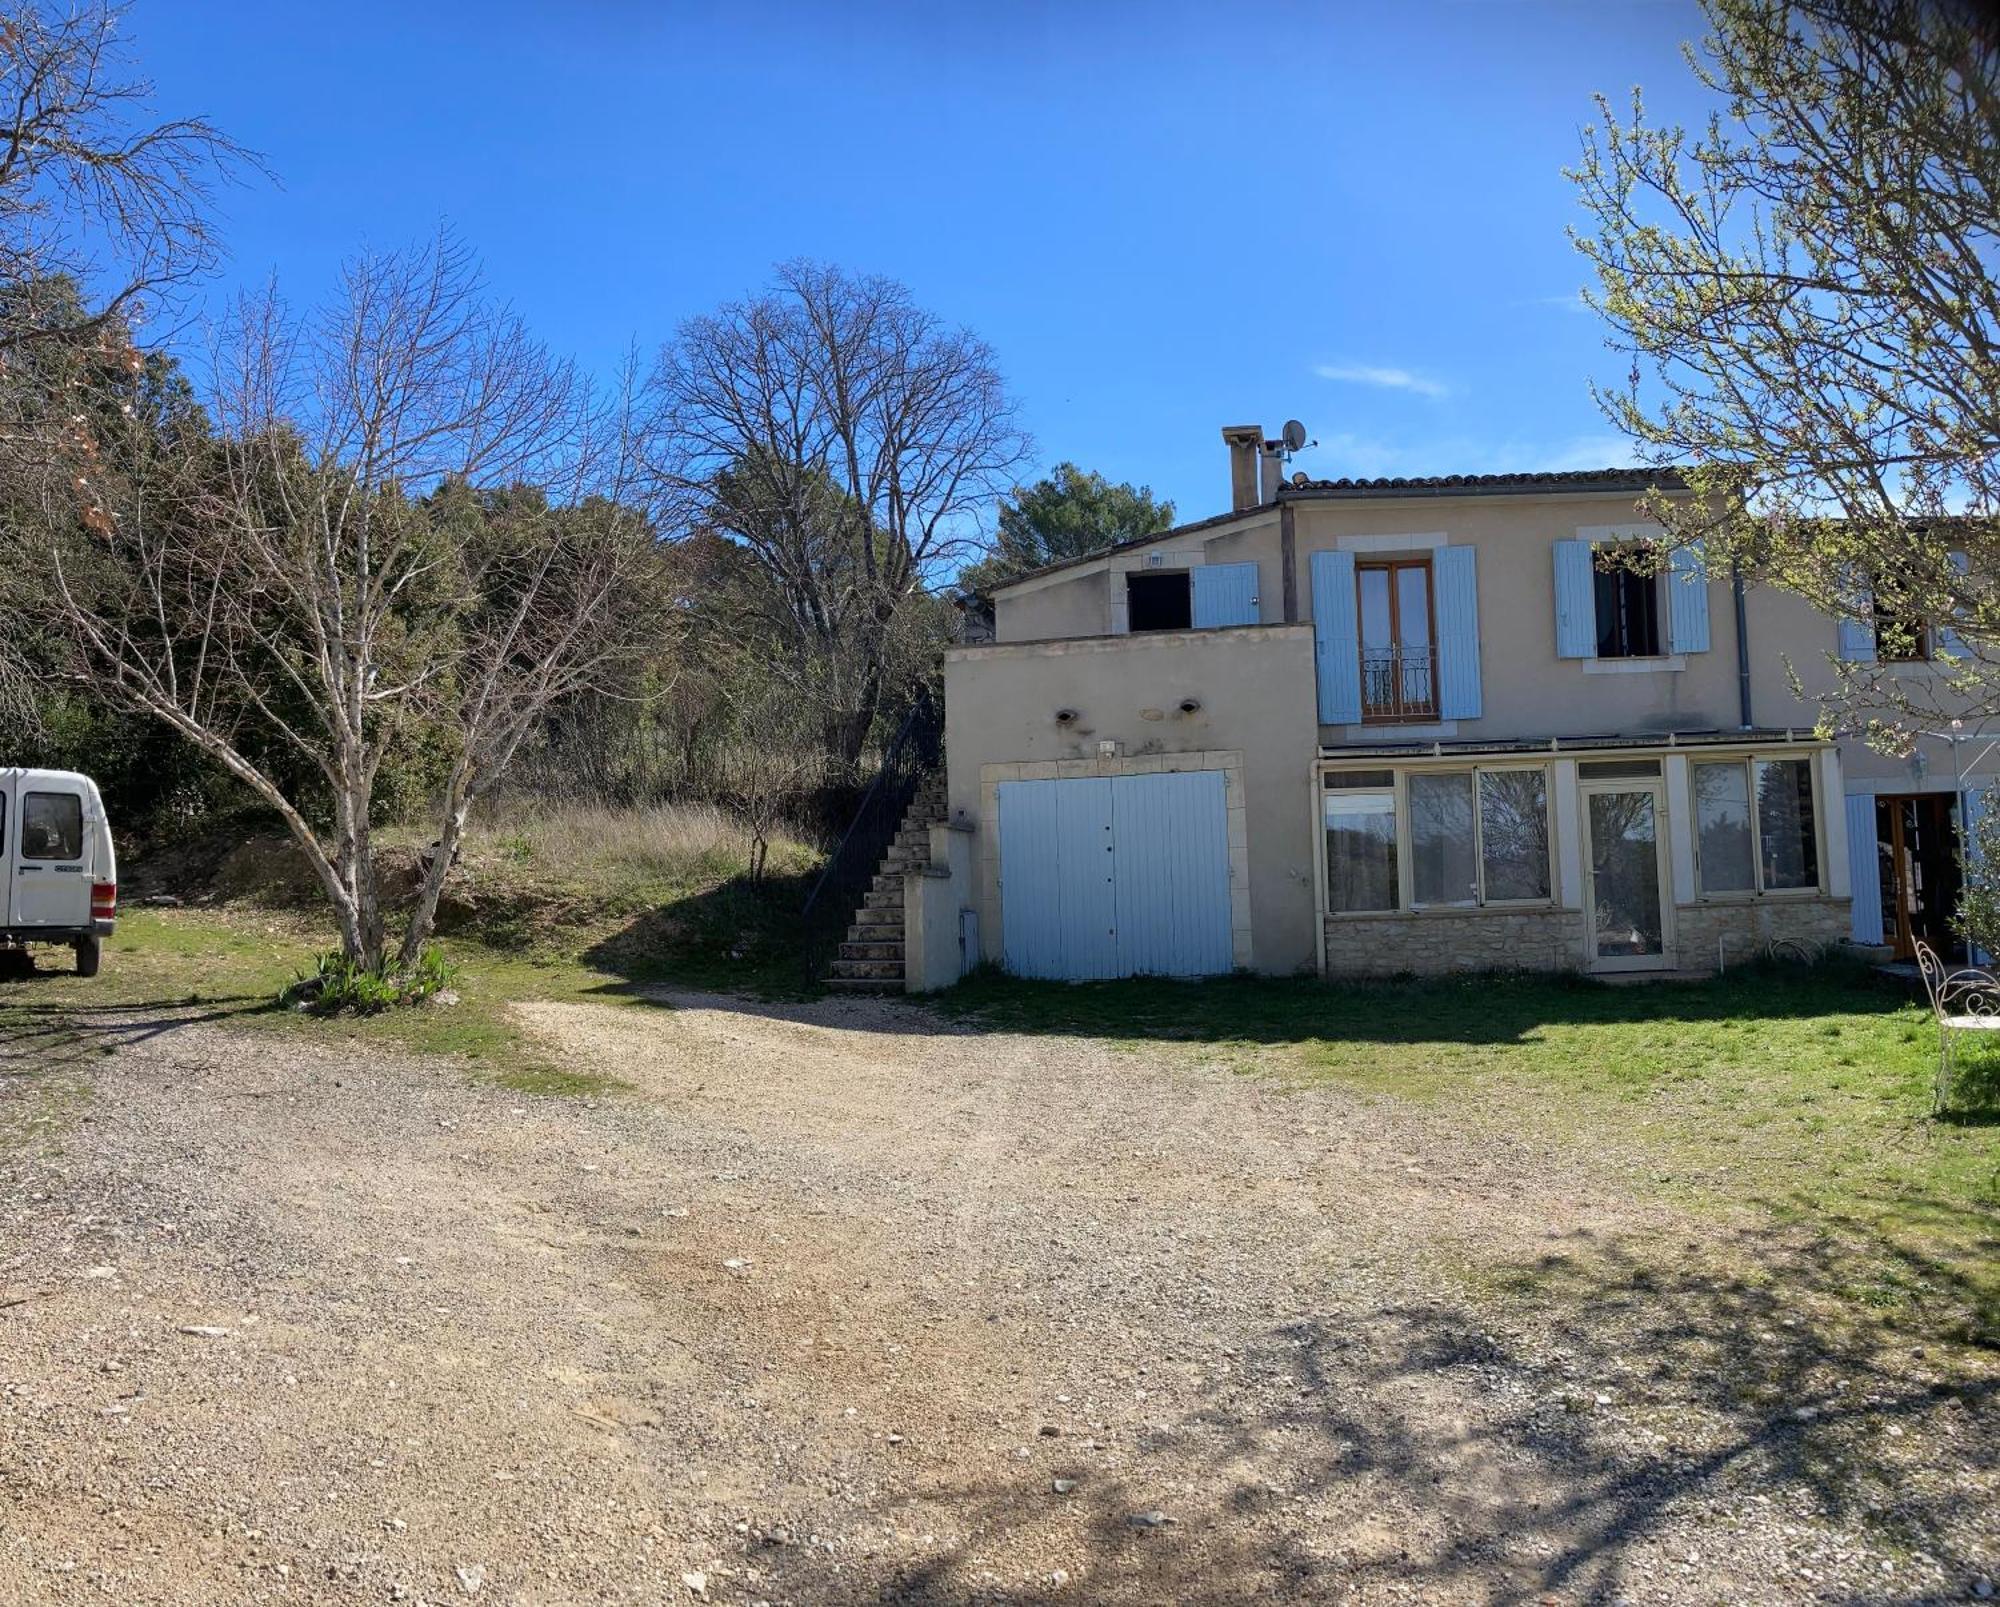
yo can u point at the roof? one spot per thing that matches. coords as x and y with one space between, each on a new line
1304 490
1211 522
1705 736
1626 479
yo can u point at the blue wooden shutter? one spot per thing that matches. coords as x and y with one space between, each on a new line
1863 872
1972 805
1457 575
1948 640
1225 594
1687 600
1576 601
1336 638
1857 628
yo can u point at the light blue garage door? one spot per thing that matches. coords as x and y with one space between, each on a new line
1118 876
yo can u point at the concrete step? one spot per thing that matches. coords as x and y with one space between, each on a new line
871 956
865 984
880 970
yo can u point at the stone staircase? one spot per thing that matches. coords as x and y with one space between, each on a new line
871 957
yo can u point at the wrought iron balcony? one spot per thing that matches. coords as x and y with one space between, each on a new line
1398 684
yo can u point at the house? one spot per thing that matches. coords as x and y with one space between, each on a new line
1369 727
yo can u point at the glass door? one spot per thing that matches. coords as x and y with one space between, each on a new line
1629 923
1917 851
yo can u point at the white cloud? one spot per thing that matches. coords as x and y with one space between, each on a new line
1573 302
1388 379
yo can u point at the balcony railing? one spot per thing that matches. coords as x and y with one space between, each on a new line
1398 684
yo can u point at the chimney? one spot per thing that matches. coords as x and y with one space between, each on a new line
1245 443
1271 464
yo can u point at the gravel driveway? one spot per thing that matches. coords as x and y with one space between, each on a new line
843 1303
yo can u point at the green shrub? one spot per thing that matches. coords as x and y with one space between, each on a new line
1978 916
338 985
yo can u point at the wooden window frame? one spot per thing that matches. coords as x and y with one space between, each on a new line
1391 567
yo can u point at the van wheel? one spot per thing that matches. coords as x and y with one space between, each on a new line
89 954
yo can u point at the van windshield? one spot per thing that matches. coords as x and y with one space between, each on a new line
52 826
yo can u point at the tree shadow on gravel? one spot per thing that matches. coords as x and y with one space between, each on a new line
35 1038
1572 1434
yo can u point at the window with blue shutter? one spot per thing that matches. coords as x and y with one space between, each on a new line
1857 626
1576 600
1948 640
1336 638
1457 576
1225 594
1864 873
1687 600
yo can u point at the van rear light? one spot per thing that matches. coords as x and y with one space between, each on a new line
103 900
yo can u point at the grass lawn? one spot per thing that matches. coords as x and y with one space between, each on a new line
1789 1095
551 905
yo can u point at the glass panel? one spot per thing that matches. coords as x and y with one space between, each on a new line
1368 780
1617 769
1361 850
1514 833
1628 613
1624 875
1441 840
1413 604
1785 823
1610 627
1376 632
52 826
1722 827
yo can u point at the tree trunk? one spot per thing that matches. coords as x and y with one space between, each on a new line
423 918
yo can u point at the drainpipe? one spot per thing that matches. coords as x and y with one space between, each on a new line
1288 559
1742 645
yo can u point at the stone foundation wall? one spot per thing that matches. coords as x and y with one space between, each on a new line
1433 943
1745 929
1436 943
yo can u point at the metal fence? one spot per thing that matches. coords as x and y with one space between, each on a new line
1398 683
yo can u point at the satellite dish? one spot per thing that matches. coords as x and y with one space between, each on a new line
1294 434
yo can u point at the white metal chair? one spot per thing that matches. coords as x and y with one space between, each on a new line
1963 1000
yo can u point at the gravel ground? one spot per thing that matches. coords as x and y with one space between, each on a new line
845 1304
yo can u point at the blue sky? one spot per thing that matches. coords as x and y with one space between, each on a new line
1163 218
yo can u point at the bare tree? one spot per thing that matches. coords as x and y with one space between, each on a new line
93 191
1809 289
353 558
849 440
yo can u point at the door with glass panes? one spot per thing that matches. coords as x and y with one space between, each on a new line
1628 919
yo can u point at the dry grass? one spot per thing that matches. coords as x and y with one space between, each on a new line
672 845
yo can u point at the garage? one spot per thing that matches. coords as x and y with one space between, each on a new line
1109 876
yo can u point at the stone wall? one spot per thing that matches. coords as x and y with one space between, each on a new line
1432 942
1436 942
1746 927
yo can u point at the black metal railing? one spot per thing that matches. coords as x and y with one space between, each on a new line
1398 684
913 753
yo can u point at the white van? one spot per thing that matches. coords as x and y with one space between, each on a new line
61 874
